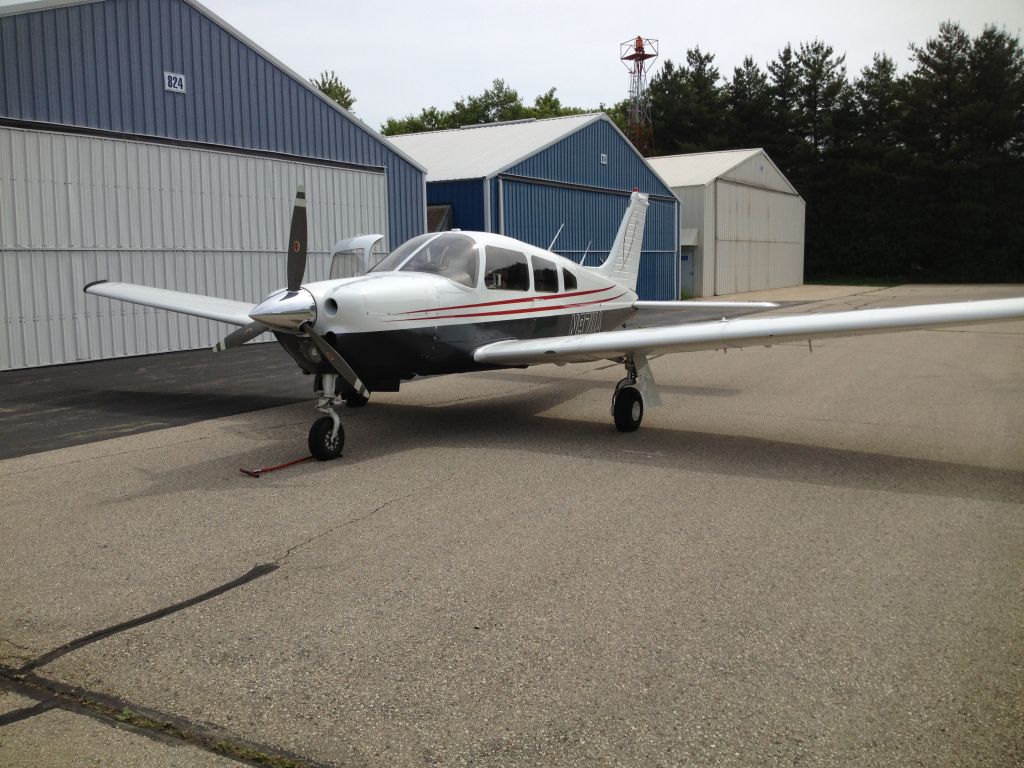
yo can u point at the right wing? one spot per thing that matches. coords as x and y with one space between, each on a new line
210 307
742 332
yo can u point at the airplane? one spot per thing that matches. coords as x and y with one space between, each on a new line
456 302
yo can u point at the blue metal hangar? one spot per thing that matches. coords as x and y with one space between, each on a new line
564 179
149 141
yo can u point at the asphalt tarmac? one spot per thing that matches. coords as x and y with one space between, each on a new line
802 559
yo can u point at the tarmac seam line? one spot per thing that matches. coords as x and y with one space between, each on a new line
102 634
153 724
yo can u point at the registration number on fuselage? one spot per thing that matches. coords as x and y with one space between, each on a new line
584 322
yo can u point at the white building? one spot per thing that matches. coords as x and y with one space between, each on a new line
742 226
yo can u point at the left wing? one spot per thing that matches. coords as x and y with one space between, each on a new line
743 332
210 307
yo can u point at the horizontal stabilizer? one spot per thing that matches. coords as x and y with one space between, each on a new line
210 307
744 332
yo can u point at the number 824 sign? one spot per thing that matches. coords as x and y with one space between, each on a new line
174 82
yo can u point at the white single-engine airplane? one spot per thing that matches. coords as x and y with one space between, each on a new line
453 302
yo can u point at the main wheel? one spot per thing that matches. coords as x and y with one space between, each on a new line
321 444
628 409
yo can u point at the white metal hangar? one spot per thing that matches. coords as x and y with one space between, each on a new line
742 225
149 141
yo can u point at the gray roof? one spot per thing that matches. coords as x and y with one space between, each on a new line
700 167
482 151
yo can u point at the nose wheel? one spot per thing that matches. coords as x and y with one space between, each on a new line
327 436
326 442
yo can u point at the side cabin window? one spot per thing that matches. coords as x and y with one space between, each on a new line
507 270
570 280
545 276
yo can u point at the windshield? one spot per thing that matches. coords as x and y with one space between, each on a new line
401 253
449 255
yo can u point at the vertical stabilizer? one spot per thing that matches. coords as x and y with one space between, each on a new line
623 262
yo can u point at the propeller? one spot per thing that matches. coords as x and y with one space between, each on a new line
296 271
294 309
241 335
297 242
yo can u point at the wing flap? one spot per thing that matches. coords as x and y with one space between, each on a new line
744 332
210 307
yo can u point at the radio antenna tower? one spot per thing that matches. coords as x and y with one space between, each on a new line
638 55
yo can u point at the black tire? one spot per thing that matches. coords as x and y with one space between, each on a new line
321 445
628 409
355 400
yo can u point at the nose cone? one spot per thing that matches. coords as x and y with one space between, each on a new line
286 310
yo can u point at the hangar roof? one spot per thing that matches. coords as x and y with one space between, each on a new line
702 168
482 151
32 6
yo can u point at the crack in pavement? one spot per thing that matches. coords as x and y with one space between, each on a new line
25 713
151 723
101 634
278 561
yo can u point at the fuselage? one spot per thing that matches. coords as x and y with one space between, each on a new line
437 298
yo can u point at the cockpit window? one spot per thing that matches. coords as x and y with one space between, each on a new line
449 255
507 270
394 259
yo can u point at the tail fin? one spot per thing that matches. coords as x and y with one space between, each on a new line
623 262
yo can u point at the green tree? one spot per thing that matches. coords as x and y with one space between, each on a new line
821 93
549 105
748 101
329 85
687 105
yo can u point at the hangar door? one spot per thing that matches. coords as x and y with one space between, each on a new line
760 238
76 208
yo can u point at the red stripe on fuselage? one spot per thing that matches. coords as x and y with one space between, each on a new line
509 311
510 301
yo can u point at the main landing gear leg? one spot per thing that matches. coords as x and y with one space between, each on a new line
327 436
627 402
632 391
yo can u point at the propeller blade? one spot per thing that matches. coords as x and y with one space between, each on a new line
337 362
297 241
238 337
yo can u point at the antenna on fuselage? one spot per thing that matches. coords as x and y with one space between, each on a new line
555 238
585 252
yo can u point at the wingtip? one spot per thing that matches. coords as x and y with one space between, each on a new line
90 285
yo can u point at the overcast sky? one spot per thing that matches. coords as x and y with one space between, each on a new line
399 56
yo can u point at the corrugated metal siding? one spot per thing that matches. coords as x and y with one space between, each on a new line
100 65
577 159
75 209
466 199
533 213
760 238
